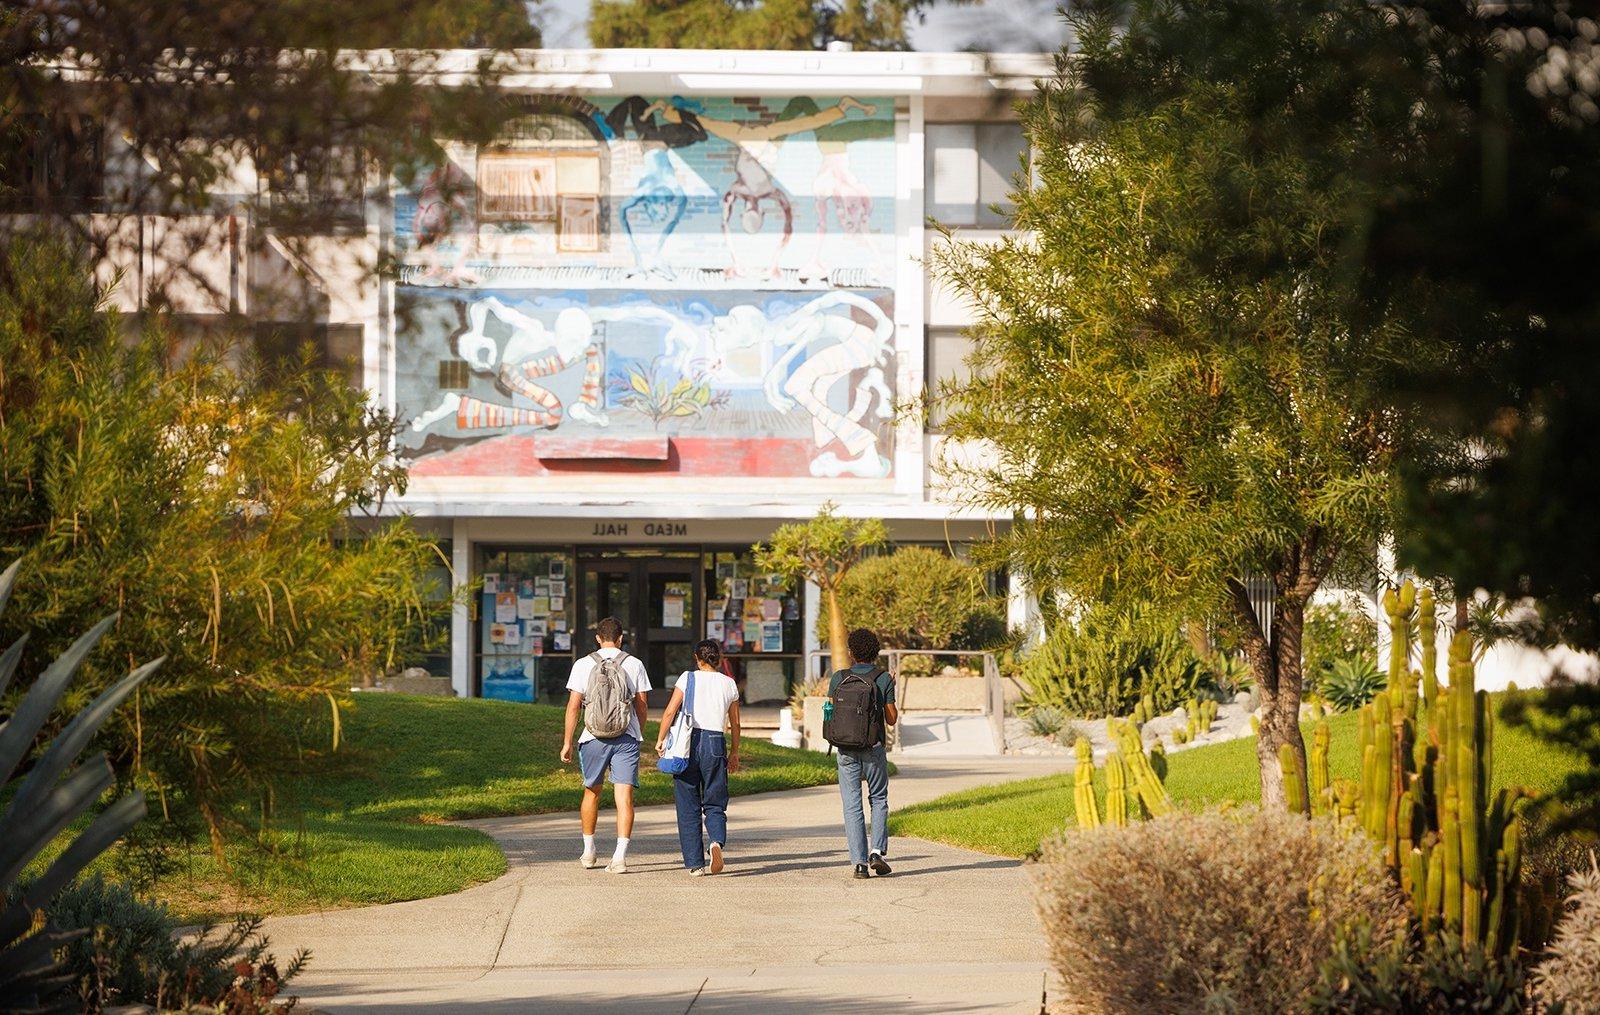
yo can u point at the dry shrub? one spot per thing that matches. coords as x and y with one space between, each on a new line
1572 972
1216 911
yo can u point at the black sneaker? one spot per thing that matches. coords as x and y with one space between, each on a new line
861 872
880 866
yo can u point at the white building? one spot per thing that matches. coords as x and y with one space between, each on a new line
679 301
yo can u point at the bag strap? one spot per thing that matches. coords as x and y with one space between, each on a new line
688 698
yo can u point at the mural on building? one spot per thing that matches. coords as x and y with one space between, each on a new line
712 270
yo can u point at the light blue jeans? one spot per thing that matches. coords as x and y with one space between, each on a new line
871 766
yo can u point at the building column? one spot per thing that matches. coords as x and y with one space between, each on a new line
461 616
809 643
1022 608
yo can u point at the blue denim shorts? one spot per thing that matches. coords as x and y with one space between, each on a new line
620 754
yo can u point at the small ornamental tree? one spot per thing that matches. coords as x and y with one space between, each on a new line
1178 385
822 551
915 597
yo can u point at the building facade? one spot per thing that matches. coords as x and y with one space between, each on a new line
680 300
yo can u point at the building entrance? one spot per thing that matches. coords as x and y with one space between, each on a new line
658 599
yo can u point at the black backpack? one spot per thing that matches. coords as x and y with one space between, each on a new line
857 719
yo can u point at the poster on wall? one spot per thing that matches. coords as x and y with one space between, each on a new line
772 636
718 270
508 678
561 641
505 607
672 611
714 630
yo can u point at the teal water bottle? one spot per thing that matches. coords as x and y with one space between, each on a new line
827 710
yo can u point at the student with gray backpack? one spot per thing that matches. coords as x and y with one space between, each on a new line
608 688
856 716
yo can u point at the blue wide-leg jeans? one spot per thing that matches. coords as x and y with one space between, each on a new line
701 791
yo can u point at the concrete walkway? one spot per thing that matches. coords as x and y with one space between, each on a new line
783 929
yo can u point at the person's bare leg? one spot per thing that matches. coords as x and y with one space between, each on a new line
624 796
590 810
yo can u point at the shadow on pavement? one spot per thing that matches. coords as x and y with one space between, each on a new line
676 1003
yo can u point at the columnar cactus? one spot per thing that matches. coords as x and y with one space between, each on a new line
1141 774
1083 786
1423 795
1428 635
1289 763
1321 787
1116 791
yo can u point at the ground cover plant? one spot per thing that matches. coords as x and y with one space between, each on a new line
1014 818
369 829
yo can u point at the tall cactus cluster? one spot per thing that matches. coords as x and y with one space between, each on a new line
1424 792
1134 788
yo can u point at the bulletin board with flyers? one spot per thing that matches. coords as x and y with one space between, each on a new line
524 621
759 617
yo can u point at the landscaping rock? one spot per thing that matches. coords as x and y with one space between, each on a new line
1232 723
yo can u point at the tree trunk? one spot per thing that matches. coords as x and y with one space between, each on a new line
1275 667
838 637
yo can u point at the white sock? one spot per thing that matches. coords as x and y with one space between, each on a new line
622 851
588 845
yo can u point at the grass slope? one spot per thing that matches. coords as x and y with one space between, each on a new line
369 830
1013 818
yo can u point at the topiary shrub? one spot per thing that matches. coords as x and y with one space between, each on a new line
1571 974
1215 911
1101 665
917 598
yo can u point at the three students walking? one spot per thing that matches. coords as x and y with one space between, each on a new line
699 745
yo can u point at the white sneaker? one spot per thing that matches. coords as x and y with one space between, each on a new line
588 862
697 872
716 858
617 867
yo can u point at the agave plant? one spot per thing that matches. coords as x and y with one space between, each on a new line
44 799
1352 682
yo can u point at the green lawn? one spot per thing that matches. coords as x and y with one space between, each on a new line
370 830
1013 818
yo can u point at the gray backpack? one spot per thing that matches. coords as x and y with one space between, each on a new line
607 705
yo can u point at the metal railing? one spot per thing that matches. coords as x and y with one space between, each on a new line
818 667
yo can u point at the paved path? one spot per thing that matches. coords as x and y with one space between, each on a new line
783 929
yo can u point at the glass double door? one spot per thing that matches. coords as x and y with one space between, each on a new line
656 598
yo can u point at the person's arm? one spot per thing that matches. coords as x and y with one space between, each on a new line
733 736
891 714
668 717
574 703
643 709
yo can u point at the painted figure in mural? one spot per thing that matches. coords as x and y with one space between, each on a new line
658 200
830 346
530 353
441 201
756 151
836 190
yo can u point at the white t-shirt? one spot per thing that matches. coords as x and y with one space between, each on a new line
632 668
713 694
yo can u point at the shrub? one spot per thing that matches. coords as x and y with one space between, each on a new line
917 598
1213 911
132 955
1102 666
1352 682
1046 721
1434 977
1335 630
1572 972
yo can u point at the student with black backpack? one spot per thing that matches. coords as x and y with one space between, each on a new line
860 707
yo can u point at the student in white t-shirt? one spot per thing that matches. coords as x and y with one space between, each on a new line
619 754
701 790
